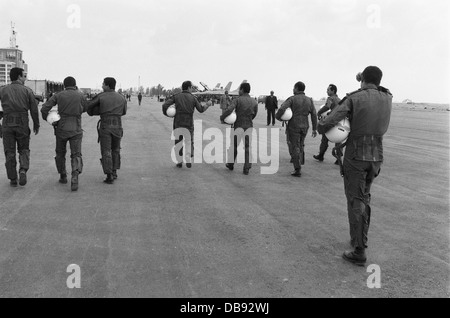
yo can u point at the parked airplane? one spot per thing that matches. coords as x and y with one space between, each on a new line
215 91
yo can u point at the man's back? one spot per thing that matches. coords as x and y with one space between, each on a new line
16 97
111 103
302 106
246 110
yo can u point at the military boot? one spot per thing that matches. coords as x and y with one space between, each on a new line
63 178
22 177
357 257
296 173
74 181
109 179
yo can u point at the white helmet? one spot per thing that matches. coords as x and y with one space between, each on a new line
287 115
324 114
171 111
231 119
53 117
339 133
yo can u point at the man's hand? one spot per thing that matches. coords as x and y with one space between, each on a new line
36 130
314 133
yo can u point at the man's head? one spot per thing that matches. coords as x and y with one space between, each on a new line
109 83
271 93
244 88
69 82
226 92
186 85
372 75
18 74
299 87
331 90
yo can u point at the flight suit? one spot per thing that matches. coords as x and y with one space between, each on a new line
246 109
297 128
111 106
17 100
185 105
331 104
369 112
71 104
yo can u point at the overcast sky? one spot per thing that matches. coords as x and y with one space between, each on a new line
270 43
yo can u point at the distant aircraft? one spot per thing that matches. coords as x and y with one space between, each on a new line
216 91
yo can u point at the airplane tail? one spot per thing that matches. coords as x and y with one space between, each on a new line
228 87
217 86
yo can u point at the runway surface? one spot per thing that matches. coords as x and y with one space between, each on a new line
160 231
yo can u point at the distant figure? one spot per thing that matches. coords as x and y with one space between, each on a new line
185 104
369 111
17 100
111 106
140 98
246 110
71 104
331 103
224 103
297 128
271 107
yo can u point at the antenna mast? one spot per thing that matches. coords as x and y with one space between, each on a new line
12 39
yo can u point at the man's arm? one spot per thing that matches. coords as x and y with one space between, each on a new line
34 111
325 108
169 102
92 105
47 106
229 109
200 107
276 103
339 112
125 107
282 109
313 113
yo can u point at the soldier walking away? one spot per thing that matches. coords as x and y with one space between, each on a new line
271 107
246 109
331 103
224 103
17 100
110 106
140 98
297 128
369 111
185 105
71 104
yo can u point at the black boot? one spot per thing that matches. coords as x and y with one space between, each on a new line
319 157
22 177
357 257
296 173
230 166
63 178
109 179
13 183
74 181
114 174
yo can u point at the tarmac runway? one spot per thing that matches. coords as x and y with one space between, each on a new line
160 231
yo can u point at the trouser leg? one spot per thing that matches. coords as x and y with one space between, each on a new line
358 179
76 156
9 146
116 153
60 158
272 114
23 147
294 150
323 146
105 146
